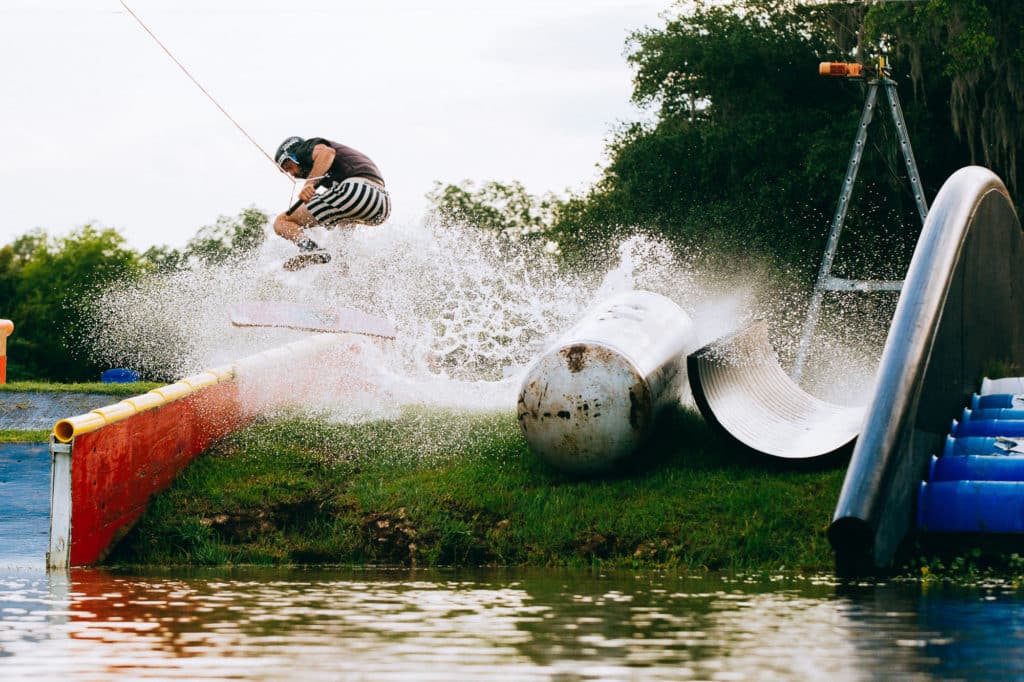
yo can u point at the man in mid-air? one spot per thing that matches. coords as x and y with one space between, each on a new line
354 193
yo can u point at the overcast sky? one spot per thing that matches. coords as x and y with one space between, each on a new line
100 126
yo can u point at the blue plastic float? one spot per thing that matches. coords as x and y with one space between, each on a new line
971 506
982 445
977 485
1005 400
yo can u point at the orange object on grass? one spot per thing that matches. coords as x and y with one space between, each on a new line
6 328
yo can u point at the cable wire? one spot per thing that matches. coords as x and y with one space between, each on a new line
199 85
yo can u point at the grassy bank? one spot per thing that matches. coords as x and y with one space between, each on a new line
439 488
24 436
122 390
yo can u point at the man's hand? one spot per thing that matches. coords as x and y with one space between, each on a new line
323 157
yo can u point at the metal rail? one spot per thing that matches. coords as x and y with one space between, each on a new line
958 314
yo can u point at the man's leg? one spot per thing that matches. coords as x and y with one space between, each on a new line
355 200
292 227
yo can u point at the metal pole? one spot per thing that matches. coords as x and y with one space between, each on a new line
837 227
59 554
908 151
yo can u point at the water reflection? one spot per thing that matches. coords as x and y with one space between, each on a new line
977 635
448 625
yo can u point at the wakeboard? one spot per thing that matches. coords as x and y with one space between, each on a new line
305 259
309 318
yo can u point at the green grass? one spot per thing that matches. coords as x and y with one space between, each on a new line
125 390
24 436
440 488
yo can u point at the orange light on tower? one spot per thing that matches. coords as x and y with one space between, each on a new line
840 69
6 328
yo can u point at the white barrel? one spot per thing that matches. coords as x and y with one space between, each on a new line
589 401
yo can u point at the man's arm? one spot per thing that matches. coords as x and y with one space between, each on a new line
323 157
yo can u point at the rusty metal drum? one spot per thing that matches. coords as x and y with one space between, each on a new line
589 401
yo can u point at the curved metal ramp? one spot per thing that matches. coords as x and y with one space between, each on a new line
741 389
959 313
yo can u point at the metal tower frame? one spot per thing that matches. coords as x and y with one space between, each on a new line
826 282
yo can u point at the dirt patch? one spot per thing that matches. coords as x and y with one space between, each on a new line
33 411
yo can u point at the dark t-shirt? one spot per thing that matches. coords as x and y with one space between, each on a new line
348 162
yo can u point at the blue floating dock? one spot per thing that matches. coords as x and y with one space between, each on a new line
1007 413
996 400
981 445
971 506
977 485
977 468
988 427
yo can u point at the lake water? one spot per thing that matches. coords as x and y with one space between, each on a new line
362 624
24 505
408 624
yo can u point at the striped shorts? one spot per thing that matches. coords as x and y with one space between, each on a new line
353 200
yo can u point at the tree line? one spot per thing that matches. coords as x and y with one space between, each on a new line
46 283
744 149
747 146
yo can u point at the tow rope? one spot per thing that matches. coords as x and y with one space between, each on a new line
202 89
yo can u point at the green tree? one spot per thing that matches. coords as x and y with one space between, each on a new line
230 238
46 284
54 278
967 56
742 136
164 259
506 208
748 145
13 257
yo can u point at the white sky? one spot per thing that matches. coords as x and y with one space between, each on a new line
100 126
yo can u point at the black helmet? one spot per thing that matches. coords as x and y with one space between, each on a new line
285 151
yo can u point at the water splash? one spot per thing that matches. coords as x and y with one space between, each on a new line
472 309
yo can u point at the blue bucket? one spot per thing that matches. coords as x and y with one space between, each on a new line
119 376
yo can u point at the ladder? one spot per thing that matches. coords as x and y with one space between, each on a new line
826 282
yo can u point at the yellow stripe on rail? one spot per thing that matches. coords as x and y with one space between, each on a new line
66 429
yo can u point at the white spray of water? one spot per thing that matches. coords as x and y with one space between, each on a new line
472 311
